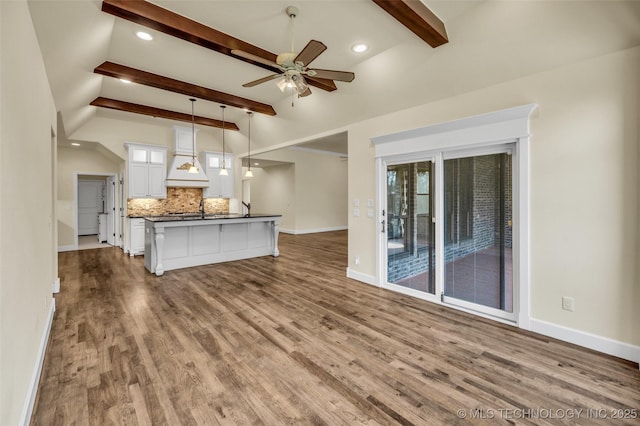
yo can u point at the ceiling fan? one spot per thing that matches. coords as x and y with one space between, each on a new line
294 66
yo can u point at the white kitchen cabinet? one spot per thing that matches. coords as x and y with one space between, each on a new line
147 166
219 186
136 236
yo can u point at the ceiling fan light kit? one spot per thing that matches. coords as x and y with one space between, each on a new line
294 67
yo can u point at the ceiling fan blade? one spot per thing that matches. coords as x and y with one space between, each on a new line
311 51
261 80
334 75
322 83
255 58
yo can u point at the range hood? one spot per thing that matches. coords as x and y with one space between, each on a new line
178 173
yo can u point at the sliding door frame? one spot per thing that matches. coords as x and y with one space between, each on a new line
473 134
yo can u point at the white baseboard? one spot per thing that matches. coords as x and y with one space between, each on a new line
365 278
67 248
587 340
312 231
27 409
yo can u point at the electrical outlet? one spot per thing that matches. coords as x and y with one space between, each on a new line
567 303
357 260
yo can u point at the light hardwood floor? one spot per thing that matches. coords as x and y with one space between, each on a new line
290 340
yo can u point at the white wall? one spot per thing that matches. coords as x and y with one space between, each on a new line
319 188
27 227
71 161
584 187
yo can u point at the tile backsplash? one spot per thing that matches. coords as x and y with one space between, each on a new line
179 200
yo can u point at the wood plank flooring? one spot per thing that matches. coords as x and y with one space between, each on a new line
290 340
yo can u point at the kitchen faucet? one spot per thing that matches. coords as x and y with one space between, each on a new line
202 208
248 206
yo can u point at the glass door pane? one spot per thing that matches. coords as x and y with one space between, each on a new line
477 231
410 228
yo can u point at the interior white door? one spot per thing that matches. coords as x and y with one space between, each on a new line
90 204
111 210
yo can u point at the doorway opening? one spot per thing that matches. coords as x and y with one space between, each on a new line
96 218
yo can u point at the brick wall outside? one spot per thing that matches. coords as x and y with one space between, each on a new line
485 219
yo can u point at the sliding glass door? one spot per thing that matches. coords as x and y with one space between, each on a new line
409 226
477 233
448 229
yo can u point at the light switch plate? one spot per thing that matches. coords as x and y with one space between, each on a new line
369 202
356 212
356 202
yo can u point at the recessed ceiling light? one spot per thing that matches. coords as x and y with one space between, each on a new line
256 164
144 36
124 80
75 144
359 48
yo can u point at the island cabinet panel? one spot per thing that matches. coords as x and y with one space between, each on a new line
205 240
235 236
179 243
258 234
172 244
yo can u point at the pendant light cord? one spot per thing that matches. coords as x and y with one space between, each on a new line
249 154
223 153
193 134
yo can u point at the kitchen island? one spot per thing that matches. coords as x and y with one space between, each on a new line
173 242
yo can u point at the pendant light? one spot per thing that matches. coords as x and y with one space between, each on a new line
249 173
193 168
223 170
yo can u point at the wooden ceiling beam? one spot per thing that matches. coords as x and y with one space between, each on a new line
417 17
158 112
165 83
155 17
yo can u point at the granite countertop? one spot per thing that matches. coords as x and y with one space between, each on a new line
196 216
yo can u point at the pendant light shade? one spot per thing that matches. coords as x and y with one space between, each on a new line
249 173
223 170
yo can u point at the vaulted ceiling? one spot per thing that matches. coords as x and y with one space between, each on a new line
85 47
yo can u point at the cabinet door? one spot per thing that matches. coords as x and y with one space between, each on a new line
138 180
136 236
226 186
214 190
139 155
156 156
157 187
228 161
213 161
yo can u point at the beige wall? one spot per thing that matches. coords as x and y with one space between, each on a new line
112 134
273 191
320 188
72 161
584 187
27 228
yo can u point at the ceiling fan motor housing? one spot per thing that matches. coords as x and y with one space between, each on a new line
286 59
